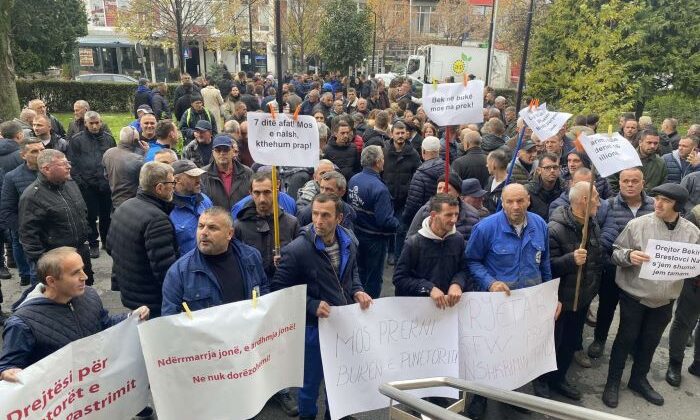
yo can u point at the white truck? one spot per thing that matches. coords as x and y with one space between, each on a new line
437 62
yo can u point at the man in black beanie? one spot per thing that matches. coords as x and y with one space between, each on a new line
646 306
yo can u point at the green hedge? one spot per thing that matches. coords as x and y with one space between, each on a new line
684 108
59 95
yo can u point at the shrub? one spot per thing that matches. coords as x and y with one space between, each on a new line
669 104
59 95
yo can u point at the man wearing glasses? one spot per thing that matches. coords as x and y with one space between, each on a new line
142 241
545 186
52 213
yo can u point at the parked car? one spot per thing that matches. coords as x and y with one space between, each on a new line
106 77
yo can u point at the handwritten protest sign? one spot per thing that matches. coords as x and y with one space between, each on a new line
228 360
507 341
387 342
610 154
454 103
98 377
282 141
671 260
542 122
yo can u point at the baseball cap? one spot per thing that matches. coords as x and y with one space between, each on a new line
203 125
472 188
431 144
529 144
187 167
222 141
146 109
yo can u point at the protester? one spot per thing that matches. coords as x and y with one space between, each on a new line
199 150
188 203
683 160
497 164
342 152
52 213
523 168
142 240
43 131
473 163
425 179
653 166
545 187
195 113
38 106
311 188
122 166
645 307
325 258
226 180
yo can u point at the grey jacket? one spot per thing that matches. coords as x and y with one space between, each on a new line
651 293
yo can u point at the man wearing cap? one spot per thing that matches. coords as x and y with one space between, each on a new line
195 113
646 305
143 96
147 127
545 187
472 195
166 138
188 203
433 262
468 215
140 112
226 180
199 150
522 172
425 179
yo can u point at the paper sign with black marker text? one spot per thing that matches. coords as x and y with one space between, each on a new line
228 360
507 341
98 377
610 154
364 349
542 122
282 141
454 103
671 261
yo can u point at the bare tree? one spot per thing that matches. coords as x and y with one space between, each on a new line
392 22
456 21
301 26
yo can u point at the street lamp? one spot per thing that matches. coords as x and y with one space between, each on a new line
374 39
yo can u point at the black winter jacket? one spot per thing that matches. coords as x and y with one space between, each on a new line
13 185
304 261
160 106
426 263
85 152
258 232
373 137
540 199
142 243
346 158
399 168
492 198
51 216
213 187
423 186
9 155
472 165
491 142
564 238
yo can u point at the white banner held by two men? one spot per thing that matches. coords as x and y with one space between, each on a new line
454 103
283 141
98 377
544 123
671 261
610 154
507 341
228 360
387 342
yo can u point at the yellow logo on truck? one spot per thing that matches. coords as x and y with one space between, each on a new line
460 66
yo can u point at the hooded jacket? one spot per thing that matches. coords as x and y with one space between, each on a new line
491 142
304 261
191 280
9 155
40 326
13 185
428 261
373 137
565 235
423 186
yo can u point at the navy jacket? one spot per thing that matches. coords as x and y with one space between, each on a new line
371 200
620 214
304 261
348 222
423 186
16 181
191 280
677 168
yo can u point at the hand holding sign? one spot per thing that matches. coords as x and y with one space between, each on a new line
454 103
610 154
282 140
670 261
542 122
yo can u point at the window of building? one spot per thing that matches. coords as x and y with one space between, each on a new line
421 20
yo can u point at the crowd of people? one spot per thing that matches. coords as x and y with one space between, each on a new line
187 216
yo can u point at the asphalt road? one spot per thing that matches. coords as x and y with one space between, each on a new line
681 403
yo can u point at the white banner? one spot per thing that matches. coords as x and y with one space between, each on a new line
542 122
671 261
454 103
610 155
387 342
228 360
98 377
507 341
282 141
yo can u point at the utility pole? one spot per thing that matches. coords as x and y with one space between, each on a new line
250 35
523 62
178 28
374 39
278 56
492 37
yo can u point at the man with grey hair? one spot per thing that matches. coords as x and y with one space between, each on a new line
473 163
85 151
38 106
80 107
142 239
331 183
52 213
307 193
425 180
375 222
122 165
25 119
325 105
